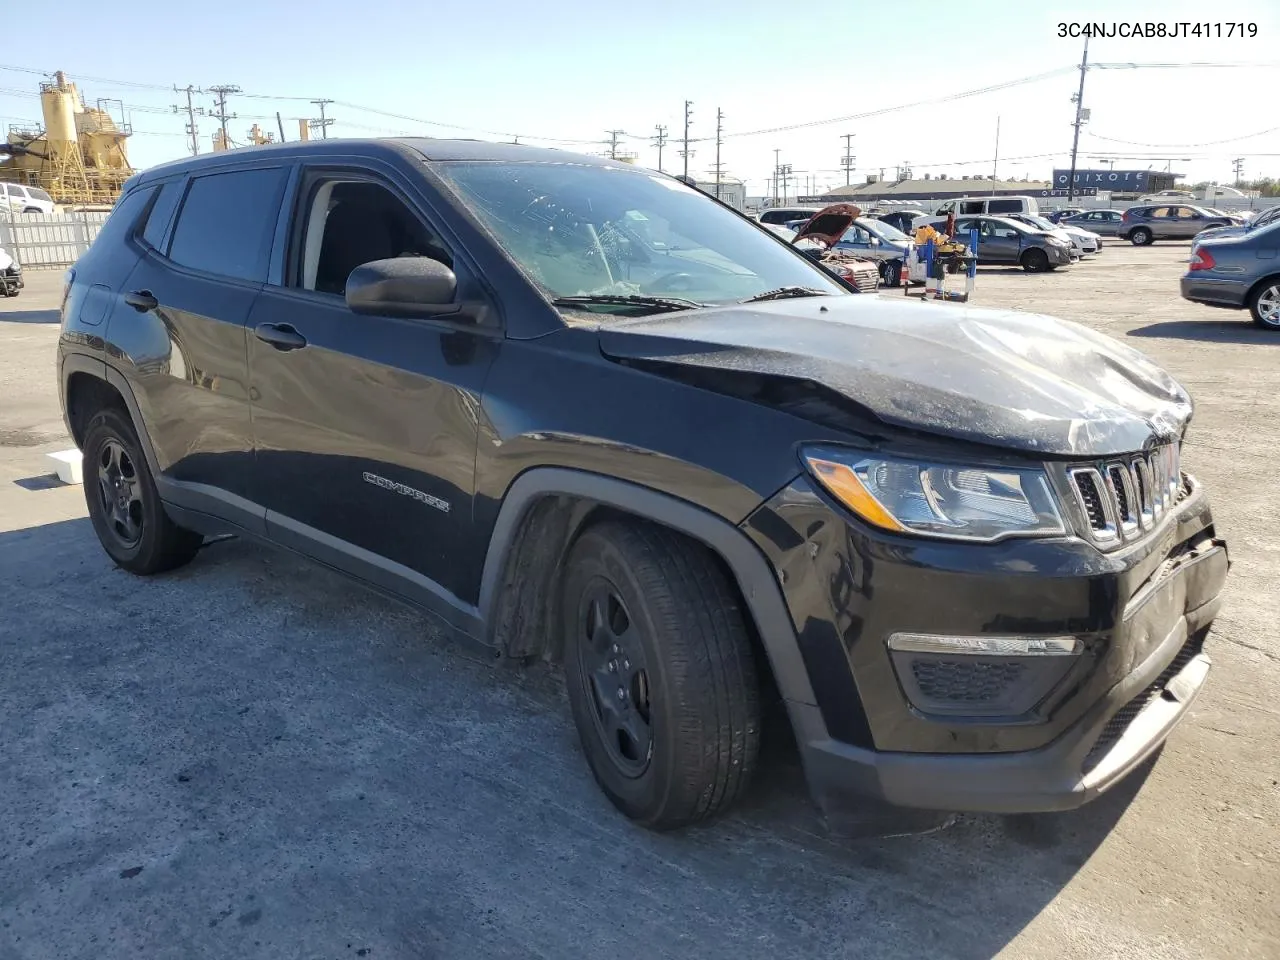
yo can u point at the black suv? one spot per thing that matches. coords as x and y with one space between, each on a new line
1145 224
584 412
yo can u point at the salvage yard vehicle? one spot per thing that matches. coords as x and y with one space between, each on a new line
1002 241
1105 223
865 240
1238 269
1144 225
10 275
959 547
1083 242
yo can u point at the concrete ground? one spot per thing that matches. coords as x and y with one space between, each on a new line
253 758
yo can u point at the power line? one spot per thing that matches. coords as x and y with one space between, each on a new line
1185 146
324 122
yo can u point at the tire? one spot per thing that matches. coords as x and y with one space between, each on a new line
1140 236
1035 261
1264 304
892 275
677 742
133 527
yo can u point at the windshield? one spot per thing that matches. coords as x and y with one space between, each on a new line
885 231
1040 222
580 230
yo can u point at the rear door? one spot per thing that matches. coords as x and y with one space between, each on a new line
183 330
365 427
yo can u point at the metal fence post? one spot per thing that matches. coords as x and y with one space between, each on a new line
13 236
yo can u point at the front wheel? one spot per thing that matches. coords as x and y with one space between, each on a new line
124 505
1035 261
1140 237
891 273
661 675
1265 305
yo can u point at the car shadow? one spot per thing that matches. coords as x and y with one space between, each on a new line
28 316
277 714
1240 330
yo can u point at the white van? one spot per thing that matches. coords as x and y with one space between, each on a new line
992 206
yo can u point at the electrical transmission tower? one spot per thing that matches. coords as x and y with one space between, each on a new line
220 94
848 160
190 110
659 141
324 122
686 153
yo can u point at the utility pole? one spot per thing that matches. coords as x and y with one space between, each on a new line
777 167
220 94
192 130
719 139
1238 165
659 140
685 153
613 142
323 123
1080 118
848 159
995 164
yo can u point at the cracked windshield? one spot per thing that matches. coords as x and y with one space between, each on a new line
586 231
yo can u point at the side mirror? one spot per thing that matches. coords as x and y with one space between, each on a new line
411 287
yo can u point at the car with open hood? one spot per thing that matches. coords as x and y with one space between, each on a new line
581 412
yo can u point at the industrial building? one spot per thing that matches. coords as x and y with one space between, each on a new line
80 157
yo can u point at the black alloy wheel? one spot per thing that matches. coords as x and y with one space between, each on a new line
611 661
118 490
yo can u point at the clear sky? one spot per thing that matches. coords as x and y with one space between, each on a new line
575 69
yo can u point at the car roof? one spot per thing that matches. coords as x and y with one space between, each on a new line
427 148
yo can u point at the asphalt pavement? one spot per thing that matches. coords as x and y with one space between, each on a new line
254 758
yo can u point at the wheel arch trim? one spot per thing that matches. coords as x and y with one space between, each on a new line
747 565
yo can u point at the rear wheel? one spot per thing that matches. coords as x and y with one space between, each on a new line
1265 305
1140 237
891 273
123 503
1035 261
660 673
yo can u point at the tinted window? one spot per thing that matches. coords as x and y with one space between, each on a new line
1004 206
124 216
971 206
17 191
161 213
227 221
39 194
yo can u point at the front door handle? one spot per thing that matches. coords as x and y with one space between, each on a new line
141 300
282 336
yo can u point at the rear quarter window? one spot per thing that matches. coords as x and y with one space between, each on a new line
227 222
161 213
1004 206
124 216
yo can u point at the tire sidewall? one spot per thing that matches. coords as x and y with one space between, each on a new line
1140 237
1256 312
1035 261
640 798
112 425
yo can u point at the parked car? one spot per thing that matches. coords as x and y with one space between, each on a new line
1056 216
876 241
901 220
1261 219
1239 271
783 215
24 199
1105 223
1168 196
1083 242
992 206
959 545
1237 219
1143 225
10 275
1005 241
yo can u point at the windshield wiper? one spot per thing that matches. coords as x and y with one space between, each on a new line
628 300
783 293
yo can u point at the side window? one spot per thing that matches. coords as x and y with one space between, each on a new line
123 218
17 192
161 213
1004 206
1158 213
1004 233
972 206
946 208
227 221
347 223
39 194
1186 213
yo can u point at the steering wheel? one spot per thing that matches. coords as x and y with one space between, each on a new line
678 282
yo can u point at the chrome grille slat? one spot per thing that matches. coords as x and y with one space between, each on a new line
1123 500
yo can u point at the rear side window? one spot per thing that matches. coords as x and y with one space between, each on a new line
17 191
227 222
39 194
161 213
971 206
124 216
1004 206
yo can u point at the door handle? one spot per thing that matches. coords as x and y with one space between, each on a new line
141 300
282 336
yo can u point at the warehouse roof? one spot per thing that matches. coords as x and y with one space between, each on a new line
935 187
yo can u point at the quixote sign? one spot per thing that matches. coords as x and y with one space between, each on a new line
1118 180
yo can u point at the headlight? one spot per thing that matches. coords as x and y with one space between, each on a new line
936 499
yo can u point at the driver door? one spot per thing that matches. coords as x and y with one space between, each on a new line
365 427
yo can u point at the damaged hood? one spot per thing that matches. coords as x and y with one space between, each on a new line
1020 381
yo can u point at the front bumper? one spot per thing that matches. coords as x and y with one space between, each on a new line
1142 612
1059 256
11 279
1213 291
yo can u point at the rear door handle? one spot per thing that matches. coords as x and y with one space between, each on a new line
141 300
282 336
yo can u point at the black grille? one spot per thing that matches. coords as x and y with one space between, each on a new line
1092 499
1118 481
1119 723
955 681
